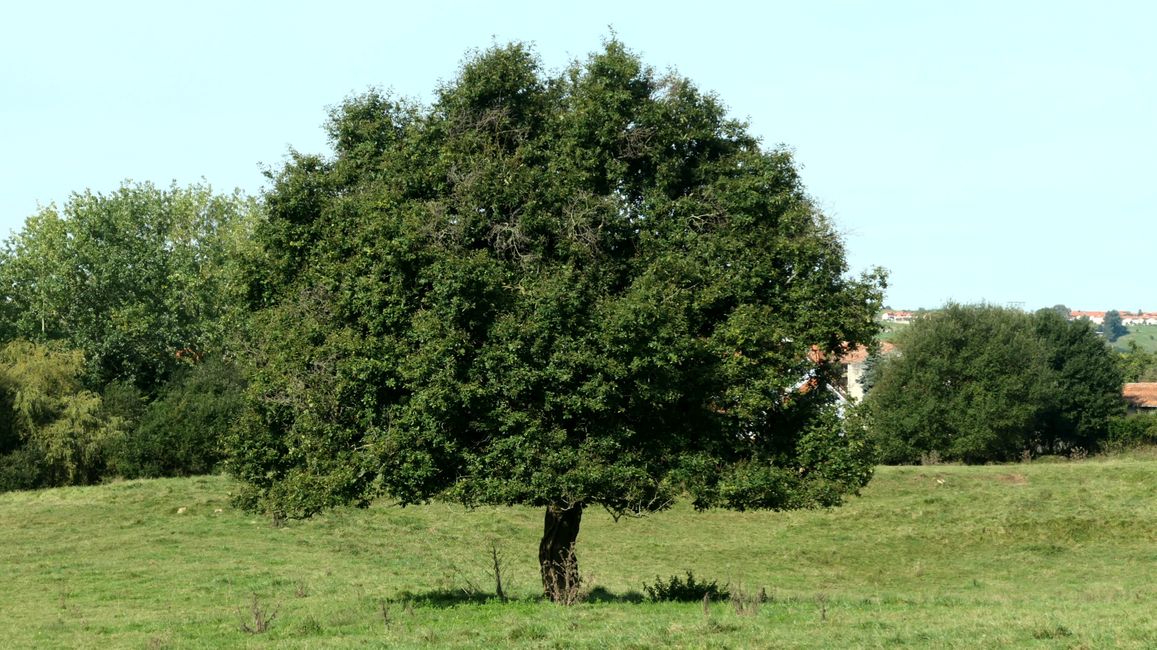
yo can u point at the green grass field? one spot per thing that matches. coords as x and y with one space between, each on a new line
1059 555
1144 335
891 331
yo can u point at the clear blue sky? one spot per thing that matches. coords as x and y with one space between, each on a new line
999 151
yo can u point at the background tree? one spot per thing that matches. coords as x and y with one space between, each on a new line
589 289
131 278
1112 326
981 383
871 370
964 386
52 430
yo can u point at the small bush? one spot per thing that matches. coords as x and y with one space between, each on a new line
23 469
258 617
686 590
747 603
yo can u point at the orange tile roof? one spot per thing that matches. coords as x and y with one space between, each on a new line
1141 395
860 353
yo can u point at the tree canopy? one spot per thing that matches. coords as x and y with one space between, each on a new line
981 383
589 288
134 279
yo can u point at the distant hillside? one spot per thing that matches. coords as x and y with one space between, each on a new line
1144 335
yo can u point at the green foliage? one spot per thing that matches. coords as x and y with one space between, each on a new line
24 468
1133 430
179 433
131 278
584 288
56 432
1083 389
1137 364
688 590
981 383
1112 326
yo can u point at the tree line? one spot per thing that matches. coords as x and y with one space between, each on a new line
116 313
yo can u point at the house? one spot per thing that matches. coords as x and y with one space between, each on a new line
1127 318
854 363
1097 317
1138 318
1141 397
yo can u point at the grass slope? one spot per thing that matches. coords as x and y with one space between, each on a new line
1144 335
1042 555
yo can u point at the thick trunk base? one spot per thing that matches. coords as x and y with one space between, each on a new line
556 557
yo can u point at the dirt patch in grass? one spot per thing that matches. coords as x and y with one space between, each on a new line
1013 479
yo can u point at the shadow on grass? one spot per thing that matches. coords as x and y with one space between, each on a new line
446 598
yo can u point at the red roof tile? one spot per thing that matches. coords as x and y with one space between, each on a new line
860 353
1141 395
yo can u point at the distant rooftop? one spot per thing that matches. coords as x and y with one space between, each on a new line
1142 395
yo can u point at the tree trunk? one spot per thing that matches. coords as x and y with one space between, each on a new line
556 557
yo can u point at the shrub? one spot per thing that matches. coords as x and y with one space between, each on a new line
1133 430
685 590
124 401
55 431
179 434
23 469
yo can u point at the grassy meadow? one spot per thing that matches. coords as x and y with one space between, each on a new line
1144 335
1043 555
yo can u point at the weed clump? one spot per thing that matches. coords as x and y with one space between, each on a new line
685 590
259 617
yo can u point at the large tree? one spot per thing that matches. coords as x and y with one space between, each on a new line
587 289
136 279
980 383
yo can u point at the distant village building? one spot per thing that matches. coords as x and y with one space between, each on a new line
1139 318
854 363
1127 318
1098 317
